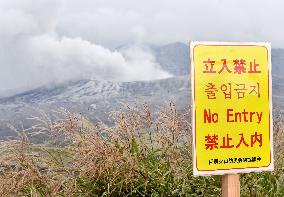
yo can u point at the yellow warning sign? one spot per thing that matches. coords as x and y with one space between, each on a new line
232 107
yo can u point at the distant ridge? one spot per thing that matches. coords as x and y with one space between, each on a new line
97 98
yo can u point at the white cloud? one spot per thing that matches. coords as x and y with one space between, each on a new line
165 21
32 53
43 41
75 57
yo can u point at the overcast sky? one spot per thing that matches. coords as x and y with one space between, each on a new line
113 22
45 41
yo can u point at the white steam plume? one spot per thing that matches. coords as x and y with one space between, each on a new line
32 53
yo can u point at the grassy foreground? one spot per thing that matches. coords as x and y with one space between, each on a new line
141 154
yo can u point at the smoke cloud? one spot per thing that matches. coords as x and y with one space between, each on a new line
48 41
33 53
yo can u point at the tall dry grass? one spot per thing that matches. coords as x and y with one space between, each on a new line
141 154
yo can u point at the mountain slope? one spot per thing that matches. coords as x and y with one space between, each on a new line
96 99
173 58
92 98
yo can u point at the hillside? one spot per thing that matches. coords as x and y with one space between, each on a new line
97 98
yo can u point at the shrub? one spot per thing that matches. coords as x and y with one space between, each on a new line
141 154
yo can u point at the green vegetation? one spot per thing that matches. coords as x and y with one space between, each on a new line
141 154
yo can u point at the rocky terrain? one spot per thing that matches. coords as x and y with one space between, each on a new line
96 99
